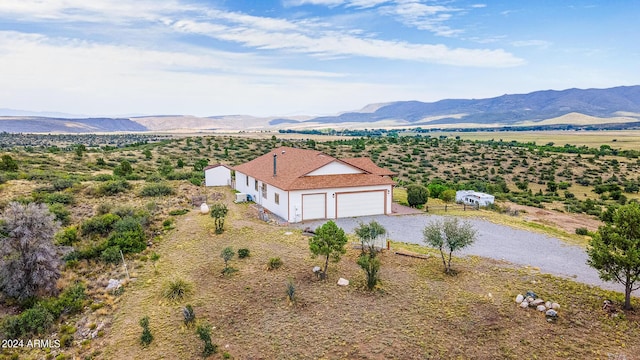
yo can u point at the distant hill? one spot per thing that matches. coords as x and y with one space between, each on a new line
590 107
505 109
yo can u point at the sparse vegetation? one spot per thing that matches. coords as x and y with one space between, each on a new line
615 250
448 236
204 333
243 253
189 315
597 180
146 338
177 290
219 213
274 263
329 241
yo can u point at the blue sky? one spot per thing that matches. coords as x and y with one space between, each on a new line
289 57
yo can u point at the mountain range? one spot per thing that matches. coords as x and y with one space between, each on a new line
571 107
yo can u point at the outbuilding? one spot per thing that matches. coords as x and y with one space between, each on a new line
299 184
217 175
471 197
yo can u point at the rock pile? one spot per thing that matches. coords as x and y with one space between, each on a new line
531 300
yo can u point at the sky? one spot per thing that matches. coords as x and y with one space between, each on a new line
295 57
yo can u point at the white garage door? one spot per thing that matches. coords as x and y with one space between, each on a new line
360 203
314 206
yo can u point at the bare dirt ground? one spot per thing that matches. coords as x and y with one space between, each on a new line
564 221
418 312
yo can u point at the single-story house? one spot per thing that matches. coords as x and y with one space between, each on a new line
298 184
217 175
471 197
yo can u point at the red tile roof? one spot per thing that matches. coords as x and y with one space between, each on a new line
293 164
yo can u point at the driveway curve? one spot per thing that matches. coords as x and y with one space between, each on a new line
494 241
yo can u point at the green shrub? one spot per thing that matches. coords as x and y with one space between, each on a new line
99 225
146 338
33 321
243 253
417 195
204 332
104 208
177 290
274 263
154 256
178 212
111 255
113 187
61 184
66 340
156 190
103 177
124 211
70 301
128 241
59 198
582 231
62 214
67 236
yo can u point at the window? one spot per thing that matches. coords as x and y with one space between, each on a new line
255 184
277 198
247 178
264 190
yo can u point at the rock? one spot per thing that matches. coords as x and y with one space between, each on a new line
524 304
551 313
548 304
541 308
113 284
530 299
204 208
343 282
531 294
537 302
555 306
316 269
519 299
288 233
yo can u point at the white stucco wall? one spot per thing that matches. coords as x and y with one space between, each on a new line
269 202
217 176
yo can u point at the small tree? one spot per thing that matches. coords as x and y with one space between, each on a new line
123 169
369 234
204 333
615 250
146 338
8 164
371 266
226 255
449 236
218 213
448 196
329 241
29 265
417 195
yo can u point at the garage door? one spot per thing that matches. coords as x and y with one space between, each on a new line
360 203
314 206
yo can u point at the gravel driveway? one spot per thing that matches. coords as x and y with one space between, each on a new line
494 241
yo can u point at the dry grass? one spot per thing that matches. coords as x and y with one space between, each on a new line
628 139
417 313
